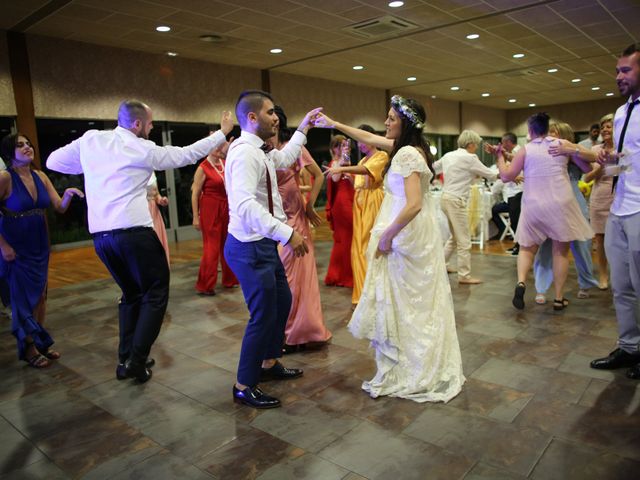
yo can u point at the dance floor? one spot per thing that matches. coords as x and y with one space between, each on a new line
531 407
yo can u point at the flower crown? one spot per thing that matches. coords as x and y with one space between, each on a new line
400 105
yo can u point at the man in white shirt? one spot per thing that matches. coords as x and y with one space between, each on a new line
257 223
117 165
512 190
592 139
622 233
460 168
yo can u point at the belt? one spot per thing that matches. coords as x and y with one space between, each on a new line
26 213
119 231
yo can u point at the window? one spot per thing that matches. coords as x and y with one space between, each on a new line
181 135
53 134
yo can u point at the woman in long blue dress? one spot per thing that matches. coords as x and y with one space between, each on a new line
25 194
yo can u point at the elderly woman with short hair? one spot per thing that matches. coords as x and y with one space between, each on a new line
459 169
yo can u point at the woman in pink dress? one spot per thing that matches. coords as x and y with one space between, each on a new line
154 198
305 324
339 209
549 207
601 199
211 216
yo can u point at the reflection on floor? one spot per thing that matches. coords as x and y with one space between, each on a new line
531 407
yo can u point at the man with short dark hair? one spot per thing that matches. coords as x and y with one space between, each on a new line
592 139
257 223
622 234
117 165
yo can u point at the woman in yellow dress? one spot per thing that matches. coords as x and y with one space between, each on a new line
366 203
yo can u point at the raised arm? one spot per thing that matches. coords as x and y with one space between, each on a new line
196 191
577 152
323 121
59 204
509 172
66 159
289 154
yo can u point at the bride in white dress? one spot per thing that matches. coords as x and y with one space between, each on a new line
406 309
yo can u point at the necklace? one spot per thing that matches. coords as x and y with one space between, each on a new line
219 171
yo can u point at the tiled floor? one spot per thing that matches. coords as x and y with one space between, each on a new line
531 407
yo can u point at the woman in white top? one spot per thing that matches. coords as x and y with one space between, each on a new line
460 168
406 309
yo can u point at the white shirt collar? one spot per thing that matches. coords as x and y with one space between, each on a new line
251 138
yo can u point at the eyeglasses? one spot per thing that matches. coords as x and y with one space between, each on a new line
22 144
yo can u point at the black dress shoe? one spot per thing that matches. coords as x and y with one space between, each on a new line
617 359
280 372
254 397
121 373
131 370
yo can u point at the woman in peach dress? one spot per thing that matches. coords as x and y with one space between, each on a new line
601 199
154 198
305 324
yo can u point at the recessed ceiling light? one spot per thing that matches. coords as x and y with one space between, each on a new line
455 89
172 54
576 80
473 36
358 67
396 4
275 50
163 28
532 104
512 100
433 96
518 55
552 70
211 38
595 89
411 79
486 94
609 94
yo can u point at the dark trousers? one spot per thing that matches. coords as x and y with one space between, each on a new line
496 210
514 210
266 291
137 262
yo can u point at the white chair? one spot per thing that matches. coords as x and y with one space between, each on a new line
506 221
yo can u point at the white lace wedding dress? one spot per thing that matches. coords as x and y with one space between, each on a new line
406 309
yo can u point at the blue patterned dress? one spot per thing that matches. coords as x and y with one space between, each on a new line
23 226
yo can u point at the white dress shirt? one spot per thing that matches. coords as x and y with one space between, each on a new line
246 181
117 165
460 168
511 189
627 196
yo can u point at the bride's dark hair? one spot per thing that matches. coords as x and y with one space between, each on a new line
412 122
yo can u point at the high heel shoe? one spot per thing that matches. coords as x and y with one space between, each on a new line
518 296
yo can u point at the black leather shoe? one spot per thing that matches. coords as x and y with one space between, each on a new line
279 372
254 397
617 359
121 369
131 370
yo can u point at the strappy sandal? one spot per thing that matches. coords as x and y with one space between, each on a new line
518 296
560 304
37 360
52 354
